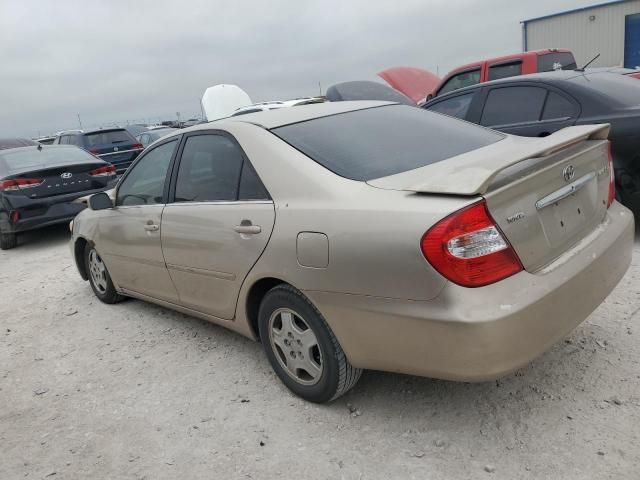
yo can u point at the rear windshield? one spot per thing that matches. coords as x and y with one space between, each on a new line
30 158
556 61
377 142
109 137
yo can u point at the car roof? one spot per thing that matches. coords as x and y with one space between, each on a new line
506 58
285 116
105 130
543 77
6 143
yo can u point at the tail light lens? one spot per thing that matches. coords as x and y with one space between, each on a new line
93 151
137 146
612 180
19 184
14 217
469 249
105 171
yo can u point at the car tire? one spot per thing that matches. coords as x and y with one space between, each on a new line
8 241
301 348
99 277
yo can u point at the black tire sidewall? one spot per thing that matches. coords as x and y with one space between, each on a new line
282 297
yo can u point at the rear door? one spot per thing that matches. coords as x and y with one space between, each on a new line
529 110
217 225
129 234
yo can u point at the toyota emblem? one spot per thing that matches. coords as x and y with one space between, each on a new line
115 149
66 175
568 173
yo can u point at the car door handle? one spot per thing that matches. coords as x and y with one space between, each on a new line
151 227
248 229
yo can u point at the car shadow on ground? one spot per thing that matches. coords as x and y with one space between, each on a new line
44 238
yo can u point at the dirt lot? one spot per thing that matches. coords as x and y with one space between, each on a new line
137 391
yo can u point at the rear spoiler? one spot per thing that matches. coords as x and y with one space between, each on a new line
471 173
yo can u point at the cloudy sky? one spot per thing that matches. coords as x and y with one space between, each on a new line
127 61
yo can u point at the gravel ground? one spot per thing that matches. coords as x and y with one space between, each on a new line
136 391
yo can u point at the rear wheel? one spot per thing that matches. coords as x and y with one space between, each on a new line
99 277
301 347
8 241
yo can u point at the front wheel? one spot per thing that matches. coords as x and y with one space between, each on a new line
99 277
301 347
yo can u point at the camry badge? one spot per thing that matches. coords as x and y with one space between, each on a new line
568 173
66 175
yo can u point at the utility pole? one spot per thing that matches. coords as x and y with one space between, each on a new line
80 121
320 88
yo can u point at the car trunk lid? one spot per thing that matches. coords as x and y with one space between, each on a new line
58 180
544 194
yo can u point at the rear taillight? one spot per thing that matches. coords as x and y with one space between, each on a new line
19 184
612 180
468 248
14 217
137 146
105 171
94 151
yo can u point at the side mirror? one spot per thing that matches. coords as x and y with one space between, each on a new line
100 201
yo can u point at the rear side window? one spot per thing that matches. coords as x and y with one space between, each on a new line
454 107
557 107
505 70
108 137
461 80
209 169
556 61
509 105
377 142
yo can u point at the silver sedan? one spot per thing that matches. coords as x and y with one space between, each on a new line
366 235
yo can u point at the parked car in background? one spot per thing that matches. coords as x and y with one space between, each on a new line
115 145
46 140
274 105
150 136
405 241
423 85
538 105
16 142
38 185
136 129
190 122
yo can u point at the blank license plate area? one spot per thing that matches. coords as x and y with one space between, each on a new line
564 219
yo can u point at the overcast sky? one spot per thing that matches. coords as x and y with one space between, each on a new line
119 61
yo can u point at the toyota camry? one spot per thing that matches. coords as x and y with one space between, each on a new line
366 235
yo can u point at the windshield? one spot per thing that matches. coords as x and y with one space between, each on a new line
30 158
378 142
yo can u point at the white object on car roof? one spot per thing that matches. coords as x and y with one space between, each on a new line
222 100
262 106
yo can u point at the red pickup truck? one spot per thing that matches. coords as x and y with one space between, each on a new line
421 85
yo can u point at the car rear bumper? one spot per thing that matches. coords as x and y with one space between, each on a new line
476 334
42 212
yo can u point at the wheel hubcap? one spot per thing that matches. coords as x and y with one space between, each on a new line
295 346
98 272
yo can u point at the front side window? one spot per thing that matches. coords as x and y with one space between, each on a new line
454 107
144 184
508 105
505 70
461 80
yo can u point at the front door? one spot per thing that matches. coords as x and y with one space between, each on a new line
129 234
218 224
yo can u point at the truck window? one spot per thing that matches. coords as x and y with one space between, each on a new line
461 80
556 61
505 70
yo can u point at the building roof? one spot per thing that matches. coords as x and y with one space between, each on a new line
574 10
